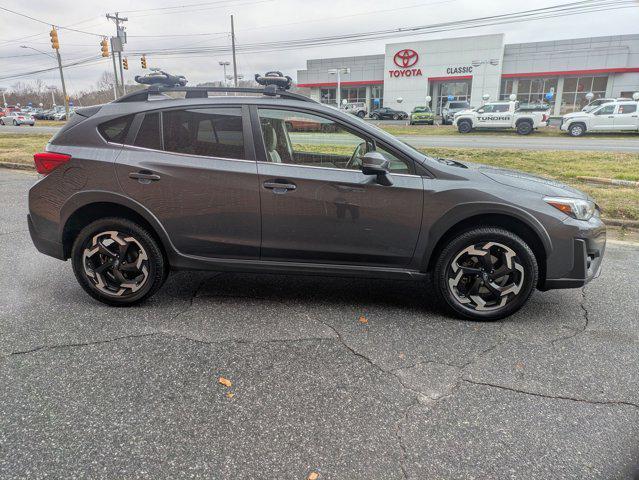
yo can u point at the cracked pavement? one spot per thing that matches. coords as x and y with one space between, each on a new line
93 391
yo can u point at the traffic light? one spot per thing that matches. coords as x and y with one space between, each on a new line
104 45
143 61
125 63
54 39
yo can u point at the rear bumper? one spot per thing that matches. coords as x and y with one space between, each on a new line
588 254
53 249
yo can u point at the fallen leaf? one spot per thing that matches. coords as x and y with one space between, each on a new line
312 476
230 395
402 355
363 319
224 381
519 365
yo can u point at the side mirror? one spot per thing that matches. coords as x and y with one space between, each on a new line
374 163
481 110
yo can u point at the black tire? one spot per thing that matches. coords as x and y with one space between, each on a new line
524 127
464 126
361 114
395 117
15 124
147 247
576 129
374 116
455 288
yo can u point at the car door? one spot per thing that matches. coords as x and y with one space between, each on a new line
604 117
626 117
317 205
194 169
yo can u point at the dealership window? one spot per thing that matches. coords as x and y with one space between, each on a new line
576 89
354 94
328 95
459 91
377 92
506 88
534 90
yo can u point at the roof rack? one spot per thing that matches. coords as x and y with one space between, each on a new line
202 92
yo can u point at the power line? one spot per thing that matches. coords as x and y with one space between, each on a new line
49 23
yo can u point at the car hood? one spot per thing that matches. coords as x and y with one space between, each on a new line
575 114
526 181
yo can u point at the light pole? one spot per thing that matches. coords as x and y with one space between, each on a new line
4 99
476 63
224 64
338 72
39 51
52 90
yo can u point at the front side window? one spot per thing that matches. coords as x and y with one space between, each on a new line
307 139
210 132
606 110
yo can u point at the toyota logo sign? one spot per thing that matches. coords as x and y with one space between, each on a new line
405 58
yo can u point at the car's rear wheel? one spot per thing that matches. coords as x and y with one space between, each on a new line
374 116
485 274
395 117
118 262
577 130
464 126
361 114
524 127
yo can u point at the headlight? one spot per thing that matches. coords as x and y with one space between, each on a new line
575 207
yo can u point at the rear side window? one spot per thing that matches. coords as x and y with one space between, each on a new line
627 108
116 130
149 134
211 132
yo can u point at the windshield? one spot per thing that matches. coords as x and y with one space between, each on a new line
421 110
459 105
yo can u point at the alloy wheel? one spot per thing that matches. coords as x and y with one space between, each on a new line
116 263
485 276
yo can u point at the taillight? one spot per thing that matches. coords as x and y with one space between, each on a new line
47 162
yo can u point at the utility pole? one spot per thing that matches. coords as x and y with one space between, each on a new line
233 46
117 44
55 44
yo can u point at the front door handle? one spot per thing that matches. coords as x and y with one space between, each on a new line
279 187
144 176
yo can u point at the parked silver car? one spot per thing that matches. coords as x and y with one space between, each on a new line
17 119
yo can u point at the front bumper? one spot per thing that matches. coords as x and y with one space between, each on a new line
587 255
423 120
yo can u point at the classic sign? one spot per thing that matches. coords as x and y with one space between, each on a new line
458 70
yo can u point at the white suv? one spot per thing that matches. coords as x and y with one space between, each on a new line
614 116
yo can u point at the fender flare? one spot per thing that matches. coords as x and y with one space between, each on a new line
84 198
464 211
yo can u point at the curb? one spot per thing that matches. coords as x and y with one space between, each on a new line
615 222
17 166
610 181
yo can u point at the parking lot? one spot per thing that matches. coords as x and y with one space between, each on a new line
348 378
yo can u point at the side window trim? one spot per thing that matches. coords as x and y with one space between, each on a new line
261 157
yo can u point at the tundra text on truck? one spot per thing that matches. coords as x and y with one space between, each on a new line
501 115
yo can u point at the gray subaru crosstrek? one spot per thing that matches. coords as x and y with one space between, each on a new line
269 181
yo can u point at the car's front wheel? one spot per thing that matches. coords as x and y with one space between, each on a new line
486 273
576 130
464 126
524 127
118 262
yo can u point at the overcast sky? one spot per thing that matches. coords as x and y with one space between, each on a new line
258 21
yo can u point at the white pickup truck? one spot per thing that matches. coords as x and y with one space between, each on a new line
618 115
502 115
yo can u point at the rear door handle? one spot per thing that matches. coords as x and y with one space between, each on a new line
144 176
279 187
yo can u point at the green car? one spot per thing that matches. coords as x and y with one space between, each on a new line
422 115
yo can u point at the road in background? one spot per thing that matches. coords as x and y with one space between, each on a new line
350 378
512 141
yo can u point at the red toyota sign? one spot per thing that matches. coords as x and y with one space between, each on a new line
406 58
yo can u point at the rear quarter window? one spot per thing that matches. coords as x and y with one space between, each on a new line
116 130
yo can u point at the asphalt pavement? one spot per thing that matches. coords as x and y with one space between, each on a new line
404 392
508 140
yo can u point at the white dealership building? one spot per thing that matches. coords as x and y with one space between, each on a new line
470 67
